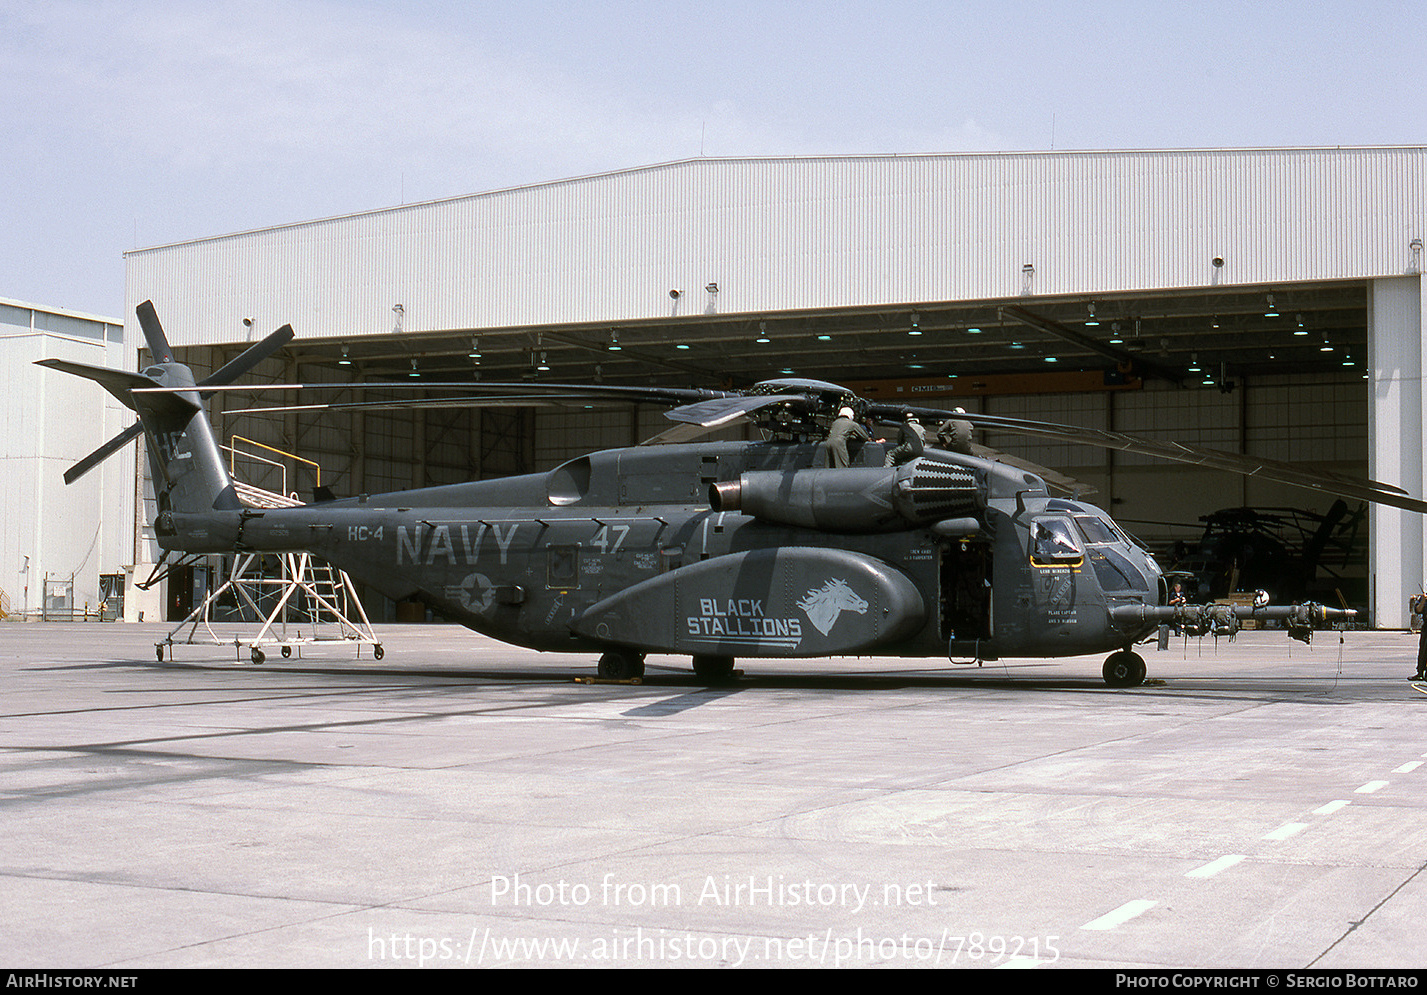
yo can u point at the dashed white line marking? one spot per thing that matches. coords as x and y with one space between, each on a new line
1408 767
1331 807
1123 914
1018 963
1371 786
1214 867
1286 830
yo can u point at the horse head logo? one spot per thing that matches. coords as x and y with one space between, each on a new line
824 604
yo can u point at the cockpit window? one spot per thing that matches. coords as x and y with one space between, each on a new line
1097 531
1053 540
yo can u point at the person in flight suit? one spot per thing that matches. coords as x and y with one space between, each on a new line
954 434
911 444
844 429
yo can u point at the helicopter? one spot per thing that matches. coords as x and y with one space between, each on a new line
720 551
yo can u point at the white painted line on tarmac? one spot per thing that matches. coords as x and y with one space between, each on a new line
1408 767
1286 830
1331 807
1371 786
1121 915
1215 866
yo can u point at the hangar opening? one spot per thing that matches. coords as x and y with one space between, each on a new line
1277 371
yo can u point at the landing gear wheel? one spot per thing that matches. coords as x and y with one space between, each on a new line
159 652
378 652
286 652
621 665
714 669
1124 670
259 656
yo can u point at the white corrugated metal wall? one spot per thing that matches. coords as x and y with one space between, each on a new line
49 420
782 234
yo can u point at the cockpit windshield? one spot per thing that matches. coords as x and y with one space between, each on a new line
1099 531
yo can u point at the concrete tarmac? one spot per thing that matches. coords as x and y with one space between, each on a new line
462 803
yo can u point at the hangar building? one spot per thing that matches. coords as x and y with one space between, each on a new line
61 548
1265 301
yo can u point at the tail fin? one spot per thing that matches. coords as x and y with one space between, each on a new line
184 457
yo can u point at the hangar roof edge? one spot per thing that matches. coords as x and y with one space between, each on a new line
723 160
62 311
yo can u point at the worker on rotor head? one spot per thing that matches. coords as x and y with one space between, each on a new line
955 434
844 428
912 442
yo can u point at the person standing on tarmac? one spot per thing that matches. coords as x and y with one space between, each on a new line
1421 605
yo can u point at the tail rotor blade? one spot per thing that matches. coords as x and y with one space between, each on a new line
154 333
251 357
102 453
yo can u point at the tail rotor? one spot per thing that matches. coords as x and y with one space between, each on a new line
162 353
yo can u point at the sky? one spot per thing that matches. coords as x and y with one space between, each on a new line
146 122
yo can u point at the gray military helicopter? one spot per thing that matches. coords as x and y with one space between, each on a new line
719 550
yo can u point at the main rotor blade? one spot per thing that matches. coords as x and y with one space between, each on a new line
103 452
154 333
643 395
1127 360
505 401
250 357
719 411
688 432
1056 480
1249 466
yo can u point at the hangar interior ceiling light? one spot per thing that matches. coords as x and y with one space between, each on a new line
1207 327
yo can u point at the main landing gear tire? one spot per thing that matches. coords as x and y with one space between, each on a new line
1124 670
621 665
714 669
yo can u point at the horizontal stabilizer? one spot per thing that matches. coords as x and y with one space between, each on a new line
116 382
